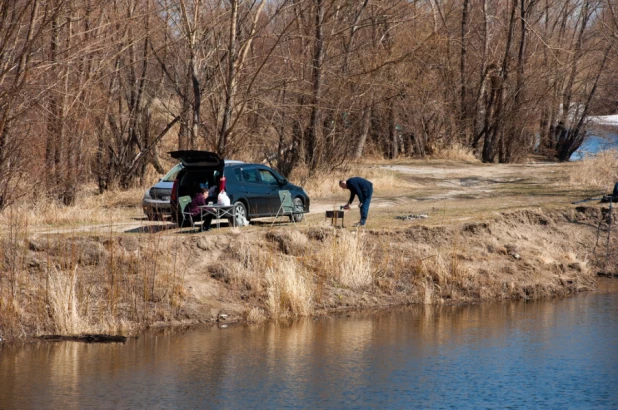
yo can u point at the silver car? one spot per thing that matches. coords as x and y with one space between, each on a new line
156 201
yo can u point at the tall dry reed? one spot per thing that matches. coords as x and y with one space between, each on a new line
290 291
455 152
63 302
346 259
68 283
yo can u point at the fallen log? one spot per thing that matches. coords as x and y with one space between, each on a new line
86 338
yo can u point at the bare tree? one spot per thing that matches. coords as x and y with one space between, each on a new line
22 24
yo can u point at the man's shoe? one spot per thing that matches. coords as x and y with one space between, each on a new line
358 224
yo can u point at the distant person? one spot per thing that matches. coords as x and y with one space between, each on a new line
201 199
363 189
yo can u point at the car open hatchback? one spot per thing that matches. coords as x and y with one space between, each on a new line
253 189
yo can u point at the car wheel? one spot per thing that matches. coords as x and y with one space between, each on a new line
300 208
241 215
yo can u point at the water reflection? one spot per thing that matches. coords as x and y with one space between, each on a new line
557 354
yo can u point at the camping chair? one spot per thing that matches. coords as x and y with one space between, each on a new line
287 206
183 203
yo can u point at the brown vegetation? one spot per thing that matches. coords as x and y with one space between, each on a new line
67 285
93 92
123 276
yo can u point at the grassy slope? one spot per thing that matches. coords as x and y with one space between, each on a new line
492 232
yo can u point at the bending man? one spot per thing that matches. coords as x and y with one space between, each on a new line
363 189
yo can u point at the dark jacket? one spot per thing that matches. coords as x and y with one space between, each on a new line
196 202
361 187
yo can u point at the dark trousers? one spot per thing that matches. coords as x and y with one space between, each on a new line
207 221
364 210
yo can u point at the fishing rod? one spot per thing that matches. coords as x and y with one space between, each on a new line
589 199
613 197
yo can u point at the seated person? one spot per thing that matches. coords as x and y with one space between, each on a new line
199 200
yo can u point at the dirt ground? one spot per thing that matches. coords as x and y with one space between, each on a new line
452 189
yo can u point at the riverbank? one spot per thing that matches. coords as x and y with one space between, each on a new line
491 233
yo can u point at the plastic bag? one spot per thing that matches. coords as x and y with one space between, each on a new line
223 199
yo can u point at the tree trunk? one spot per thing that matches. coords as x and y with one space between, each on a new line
393 136
315 122
366 121
494 127
463 114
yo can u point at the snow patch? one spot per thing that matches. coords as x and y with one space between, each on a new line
605 119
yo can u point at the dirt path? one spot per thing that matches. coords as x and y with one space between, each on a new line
431 181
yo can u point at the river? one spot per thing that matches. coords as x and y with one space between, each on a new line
599 138
556 354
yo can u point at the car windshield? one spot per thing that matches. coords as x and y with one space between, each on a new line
171 176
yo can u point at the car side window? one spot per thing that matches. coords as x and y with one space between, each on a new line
267 177
250 175
237 174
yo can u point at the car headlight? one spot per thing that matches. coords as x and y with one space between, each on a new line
147 194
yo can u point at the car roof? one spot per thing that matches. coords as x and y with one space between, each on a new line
232 162
246 164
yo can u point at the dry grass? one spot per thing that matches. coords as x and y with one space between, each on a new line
596 171
64 302
455 152
91 208
124 283
256 315
345 258
323 185
106 282
290 291
66 284
278 279
245 267
442 278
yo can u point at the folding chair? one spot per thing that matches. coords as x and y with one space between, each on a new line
287 206
183 203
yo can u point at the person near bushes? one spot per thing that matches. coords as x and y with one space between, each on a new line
364 190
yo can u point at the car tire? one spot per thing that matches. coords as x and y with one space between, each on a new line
298 207
242 218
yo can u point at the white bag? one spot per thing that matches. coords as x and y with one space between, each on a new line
223 199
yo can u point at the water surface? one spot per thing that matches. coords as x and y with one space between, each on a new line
553 354
597 139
